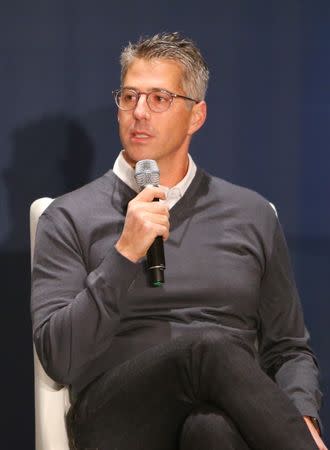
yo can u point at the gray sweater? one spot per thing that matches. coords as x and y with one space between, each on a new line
227 266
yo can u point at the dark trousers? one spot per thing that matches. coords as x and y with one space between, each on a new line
202 391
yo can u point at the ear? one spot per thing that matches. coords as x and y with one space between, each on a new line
198 117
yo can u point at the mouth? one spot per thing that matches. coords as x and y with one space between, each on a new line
140 135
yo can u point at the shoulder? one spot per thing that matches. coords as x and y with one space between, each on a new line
239 199
80 208
99 186
84 200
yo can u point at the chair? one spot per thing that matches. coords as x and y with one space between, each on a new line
51 399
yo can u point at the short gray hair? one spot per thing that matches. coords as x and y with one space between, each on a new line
175 47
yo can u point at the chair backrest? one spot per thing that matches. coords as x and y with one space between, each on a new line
51 399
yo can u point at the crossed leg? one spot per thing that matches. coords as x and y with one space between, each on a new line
208 428
144 403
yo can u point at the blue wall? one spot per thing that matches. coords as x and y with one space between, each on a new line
268 129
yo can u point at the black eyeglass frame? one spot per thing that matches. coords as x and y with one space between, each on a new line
138 94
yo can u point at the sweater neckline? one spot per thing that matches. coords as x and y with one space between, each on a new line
182 207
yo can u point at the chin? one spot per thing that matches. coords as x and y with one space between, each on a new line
132 157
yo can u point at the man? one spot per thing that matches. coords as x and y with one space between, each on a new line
172 367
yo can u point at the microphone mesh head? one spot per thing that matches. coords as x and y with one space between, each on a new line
146 172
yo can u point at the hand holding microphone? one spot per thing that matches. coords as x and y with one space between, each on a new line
146 223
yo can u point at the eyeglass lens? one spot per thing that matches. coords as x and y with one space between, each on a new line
158 101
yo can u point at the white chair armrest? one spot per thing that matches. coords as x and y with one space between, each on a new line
51 399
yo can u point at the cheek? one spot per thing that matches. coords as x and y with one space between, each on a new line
177 130
124 116
123 123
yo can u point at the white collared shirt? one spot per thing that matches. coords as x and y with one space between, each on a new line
125 172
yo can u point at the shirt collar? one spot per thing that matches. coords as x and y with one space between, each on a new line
125 172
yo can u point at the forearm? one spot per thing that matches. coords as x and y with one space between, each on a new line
298 377
75 314
79 328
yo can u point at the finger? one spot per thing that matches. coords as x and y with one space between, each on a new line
149 193
163 231
137 207
155 208
158 219
152 230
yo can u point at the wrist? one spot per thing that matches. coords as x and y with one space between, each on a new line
314 422
124 251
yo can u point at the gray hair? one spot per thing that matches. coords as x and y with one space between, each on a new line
174 47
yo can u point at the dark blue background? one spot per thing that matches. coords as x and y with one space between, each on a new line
268 129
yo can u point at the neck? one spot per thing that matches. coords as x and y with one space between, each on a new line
169 176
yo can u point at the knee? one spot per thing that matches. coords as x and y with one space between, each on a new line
209 428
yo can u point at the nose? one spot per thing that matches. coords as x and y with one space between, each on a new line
141 110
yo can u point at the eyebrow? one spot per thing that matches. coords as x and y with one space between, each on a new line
150 90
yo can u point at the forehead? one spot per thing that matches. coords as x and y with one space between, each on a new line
145 74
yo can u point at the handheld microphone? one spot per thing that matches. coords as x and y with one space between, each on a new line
147 173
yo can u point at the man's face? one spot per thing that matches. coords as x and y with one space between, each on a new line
163 136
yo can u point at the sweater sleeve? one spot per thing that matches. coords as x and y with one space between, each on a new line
285 353
74 313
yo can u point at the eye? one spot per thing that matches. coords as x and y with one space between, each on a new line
128 96
160 97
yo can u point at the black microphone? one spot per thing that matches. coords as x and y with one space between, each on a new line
147 173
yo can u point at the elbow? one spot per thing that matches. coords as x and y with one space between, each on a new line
51 364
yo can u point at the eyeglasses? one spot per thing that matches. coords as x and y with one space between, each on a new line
158 100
